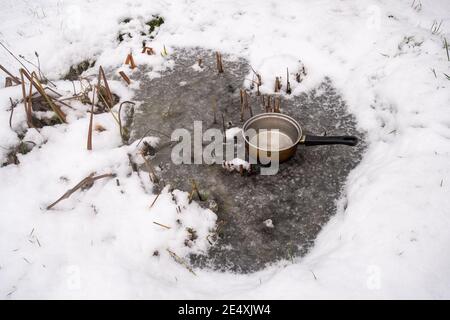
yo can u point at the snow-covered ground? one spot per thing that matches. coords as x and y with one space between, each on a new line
391 237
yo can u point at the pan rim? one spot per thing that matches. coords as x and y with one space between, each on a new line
284 117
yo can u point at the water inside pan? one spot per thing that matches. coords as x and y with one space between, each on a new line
272 140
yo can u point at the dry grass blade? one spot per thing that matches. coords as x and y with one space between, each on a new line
30 101
181 261
25 101
108 91
37 84
446 48
13 105
91 120
156 198
88 181
12 54
161 225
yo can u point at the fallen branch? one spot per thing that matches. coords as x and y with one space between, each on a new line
86 182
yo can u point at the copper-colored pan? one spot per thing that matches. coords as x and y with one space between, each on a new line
271 136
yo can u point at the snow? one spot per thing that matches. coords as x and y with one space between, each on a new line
389 238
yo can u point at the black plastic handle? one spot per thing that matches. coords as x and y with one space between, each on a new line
325 140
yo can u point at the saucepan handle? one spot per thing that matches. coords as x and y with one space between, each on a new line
309 140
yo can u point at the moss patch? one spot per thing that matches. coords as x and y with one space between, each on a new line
76 70
154 23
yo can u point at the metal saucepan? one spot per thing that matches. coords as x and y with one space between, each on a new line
278 133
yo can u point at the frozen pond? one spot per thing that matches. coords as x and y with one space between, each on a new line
299 200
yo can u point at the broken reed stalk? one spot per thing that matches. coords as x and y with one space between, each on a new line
151 171
88 181
125 77
181 261
25 101
108 103
37 84
219 62
288 84
277 84
13 78
148 51
108 91
8 82
91 120
130 61
30 102
258 84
